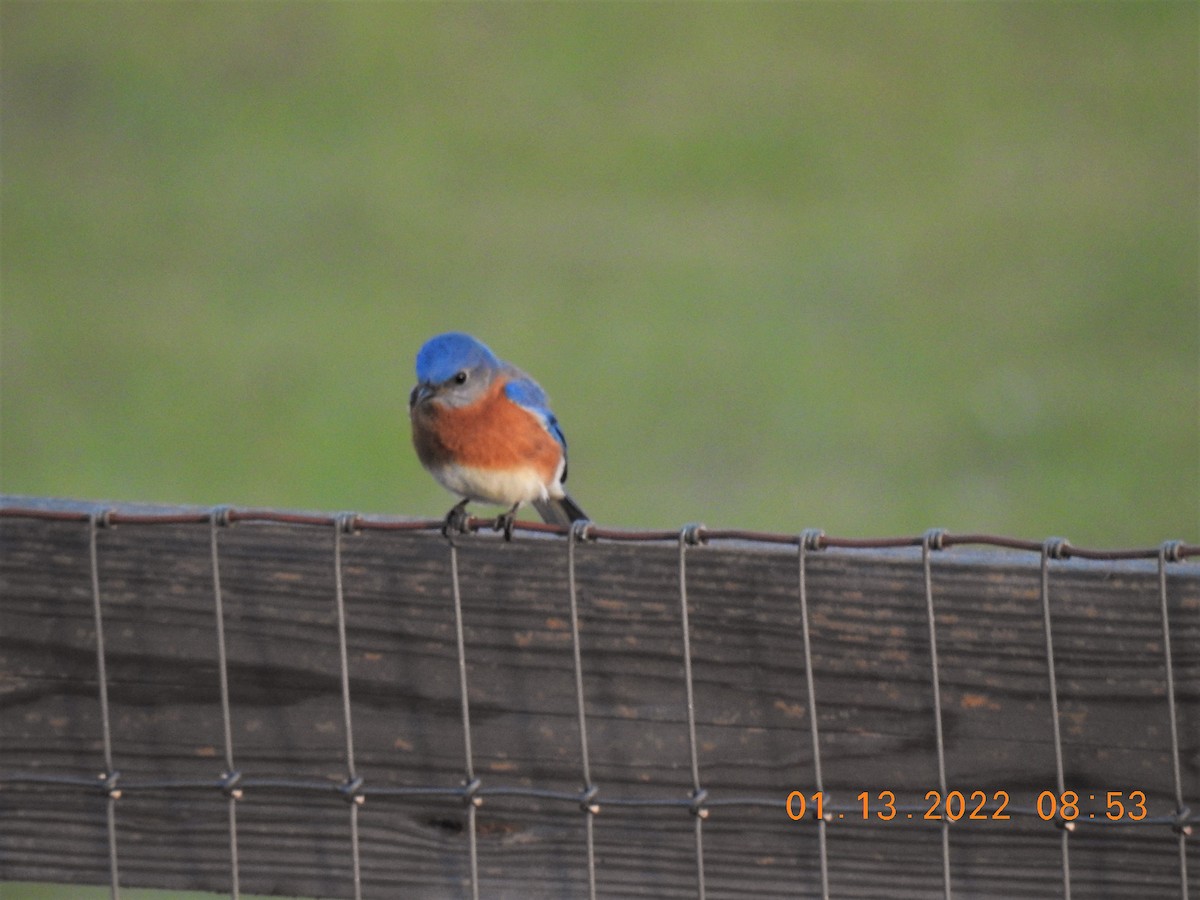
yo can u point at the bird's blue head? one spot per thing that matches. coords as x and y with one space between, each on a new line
453 367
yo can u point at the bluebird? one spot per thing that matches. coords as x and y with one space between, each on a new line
484 430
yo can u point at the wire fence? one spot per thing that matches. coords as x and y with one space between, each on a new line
812 835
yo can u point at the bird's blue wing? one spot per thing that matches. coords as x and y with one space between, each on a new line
527 393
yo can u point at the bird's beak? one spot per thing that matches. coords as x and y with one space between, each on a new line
420 394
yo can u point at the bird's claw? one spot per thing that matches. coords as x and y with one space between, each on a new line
456 521
505 522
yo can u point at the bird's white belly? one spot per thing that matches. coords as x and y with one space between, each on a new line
503 488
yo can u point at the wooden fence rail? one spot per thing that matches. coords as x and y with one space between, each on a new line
273 703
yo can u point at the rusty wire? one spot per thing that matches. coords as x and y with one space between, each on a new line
1177 551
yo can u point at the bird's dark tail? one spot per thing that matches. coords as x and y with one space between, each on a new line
563 511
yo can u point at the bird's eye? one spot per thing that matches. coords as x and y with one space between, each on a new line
460 378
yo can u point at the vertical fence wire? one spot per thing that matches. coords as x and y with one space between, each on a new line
218 518
109 776
1167 551
933 541
811 540
471 785
1054 548
343 524
690 536
588 799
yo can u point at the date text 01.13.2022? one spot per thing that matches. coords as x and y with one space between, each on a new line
1128 806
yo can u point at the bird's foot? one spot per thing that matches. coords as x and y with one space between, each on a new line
505 522
456 521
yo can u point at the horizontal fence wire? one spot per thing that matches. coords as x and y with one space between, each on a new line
231 785
1175 550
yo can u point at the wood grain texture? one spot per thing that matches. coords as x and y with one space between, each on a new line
871 659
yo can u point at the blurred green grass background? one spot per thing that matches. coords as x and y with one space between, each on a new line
868 267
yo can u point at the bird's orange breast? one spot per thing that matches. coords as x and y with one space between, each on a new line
493 433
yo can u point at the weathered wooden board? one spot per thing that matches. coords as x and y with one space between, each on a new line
871 659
